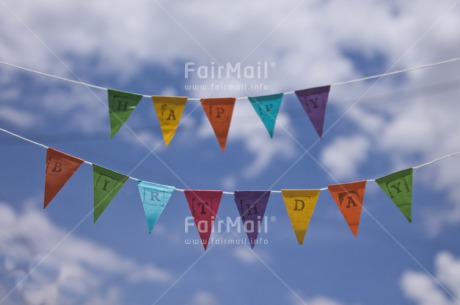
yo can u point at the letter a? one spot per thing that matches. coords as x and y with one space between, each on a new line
169 111
349 199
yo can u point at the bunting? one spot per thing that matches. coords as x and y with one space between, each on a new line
59 168
169 111
267 107
349 198
107 183
398 186
154 198
300 205
251 206
219 112
314 102
203 206
121 105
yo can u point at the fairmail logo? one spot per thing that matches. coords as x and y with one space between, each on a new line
228 225
228 71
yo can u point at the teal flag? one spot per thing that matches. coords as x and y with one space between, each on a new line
121 105
107 183
398 186
154 199
267 107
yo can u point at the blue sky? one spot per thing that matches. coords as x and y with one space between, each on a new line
58 256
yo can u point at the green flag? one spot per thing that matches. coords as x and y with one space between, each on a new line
398 186
107 183
121 104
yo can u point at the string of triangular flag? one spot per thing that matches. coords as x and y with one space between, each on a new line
219 111
204 204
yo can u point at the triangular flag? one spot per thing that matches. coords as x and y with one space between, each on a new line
251 205
314 102
59 168
154 199
219 112
349 198
121 104
398 186
204 206
107 183
169 110
300 205
267 107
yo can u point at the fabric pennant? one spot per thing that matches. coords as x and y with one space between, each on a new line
59 168
267 107
398 186
219 112
300 205
252 205
169 111
107 183
203 206
121 105
314 102
154 198
349 198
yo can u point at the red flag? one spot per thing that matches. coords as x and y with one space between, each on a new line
204 206
59 168
219 112
349 198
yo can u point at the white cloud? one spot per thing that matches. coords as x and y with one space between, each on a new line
204 298
343 156
244 255
248 129
306 41
319 300
77 271
18 117
443 290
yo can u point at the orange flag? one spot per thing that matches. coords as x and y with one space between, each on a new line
59 168
349 198
169 110
219 112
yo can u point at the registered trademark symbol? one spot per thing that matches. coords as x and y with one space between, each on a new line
273 65
273 218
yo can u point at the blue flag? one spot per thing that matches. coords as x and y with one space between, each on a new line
154 199
267 107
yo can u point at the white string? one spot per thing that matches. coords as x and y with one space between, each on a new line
241 97
226 192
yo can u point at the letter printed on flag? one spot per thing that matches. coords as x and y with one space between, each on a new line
314 102
251 206
154 198
349 198
59 168
203 206
300 205
169 111
107 183
267 107
121 105
398 186
219 112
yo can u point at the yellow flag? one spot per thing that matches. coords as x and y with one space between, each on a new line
169 110
300 205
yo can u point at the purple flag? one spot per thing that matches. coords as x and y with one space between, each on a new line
251 205
314 101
